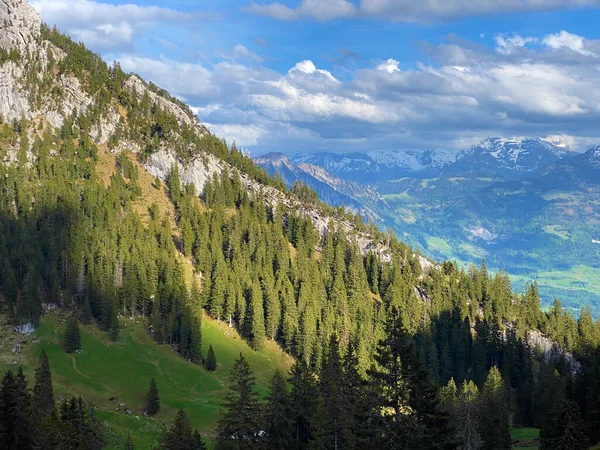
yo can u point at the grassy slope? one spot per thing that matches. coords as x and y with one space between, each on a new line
528 438
124 369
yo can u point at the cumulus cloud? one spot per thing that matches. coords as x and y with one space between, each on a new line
508 43
470 93
568 40
389 66
106 26
409 10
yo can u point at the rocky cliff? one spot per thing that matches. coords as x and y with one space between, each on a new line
20 30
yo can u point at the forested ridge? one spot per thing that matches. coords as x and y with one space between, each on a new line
388 355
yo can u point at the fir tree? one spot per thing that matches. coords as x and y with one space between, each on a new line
239 424
567 430
152 399
79 427
277 418
72 338
43 395
494 426
128 443
180 435
15 413
211 360
303 396
466 420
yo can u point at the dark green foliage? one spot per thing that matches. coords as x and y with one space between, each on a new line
72 338
128 443
494 422
211 361
180 435
43 395
76 428
277 418
304 396
15 413
566 431
152 399
239 424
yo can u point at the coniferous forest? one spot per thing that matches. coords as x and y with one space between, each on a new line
390 352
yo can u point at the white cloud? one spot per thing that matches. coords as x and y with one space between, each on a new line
508 43
106 26
409 10
568 40
308 68
389 66
309 9
472 92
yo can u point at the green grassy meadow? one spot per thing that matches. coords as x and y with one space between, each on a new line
528 438
110 374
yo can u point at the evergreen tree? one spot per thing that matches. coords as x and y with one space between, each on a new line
180 435
211 360
277 417
152 399
43 395
15 413
466 419
239 425
128 443
332 420
567 430
78 426
72 339
304 395
494 424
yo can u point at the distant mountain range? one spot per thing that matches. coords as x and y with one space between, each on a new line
509 158
331 189
528 204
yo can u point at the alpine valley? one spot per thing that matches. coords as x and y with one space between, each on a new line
159 290
528 206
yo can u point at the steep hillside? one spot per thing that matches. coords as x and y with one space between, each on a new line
119 393
507 158
330 189
133 241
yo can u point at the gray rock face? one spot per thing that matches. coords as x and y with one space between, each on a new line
20 28
550 350
203 169
19 24
14 104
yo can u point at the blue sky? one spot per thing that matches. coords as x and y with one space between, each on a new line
366 75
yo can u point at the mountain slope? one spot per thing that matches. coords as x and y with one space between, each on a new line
378 166
506 158
330 189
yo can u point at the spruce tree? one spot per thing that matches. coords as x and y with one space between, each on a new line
79 427
303 395
566 431
128 443
494 423
211 360
152 399
43 395
239 425
466 420
180 435
277 417
15 413
72 338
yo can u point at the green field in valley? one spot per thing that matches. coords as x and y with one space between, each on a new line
114 376
525 438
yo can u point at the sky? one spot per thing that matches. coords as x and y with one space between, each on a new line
359 75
